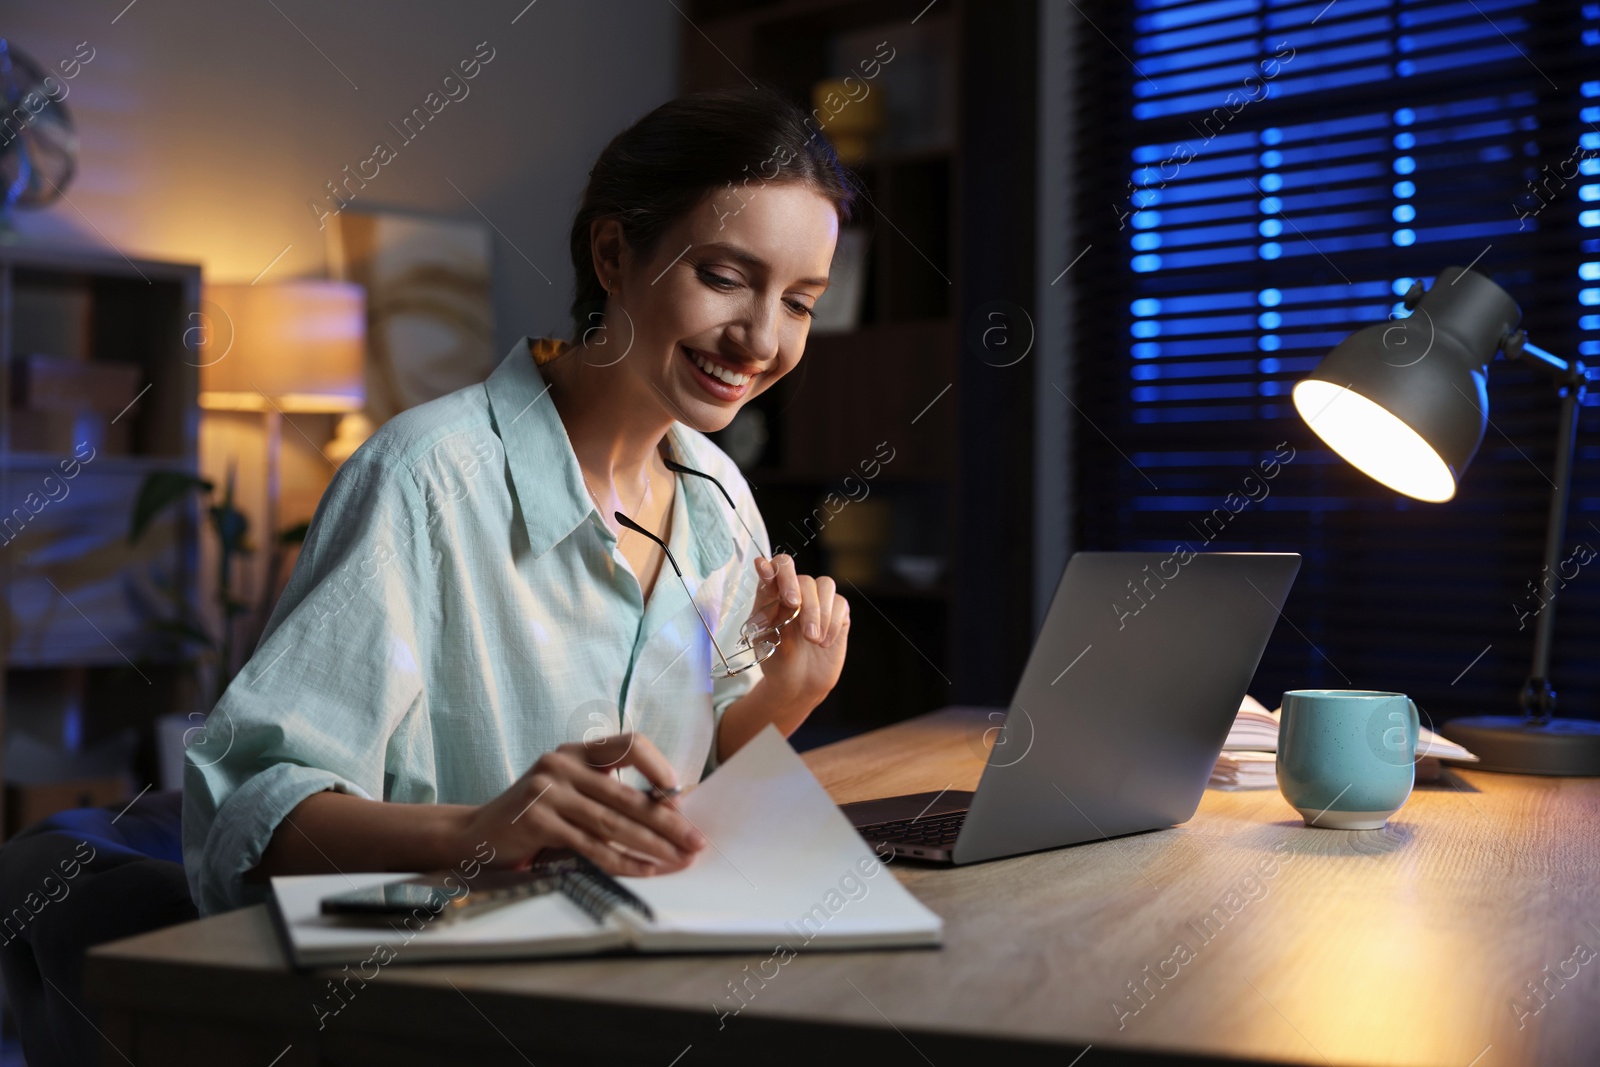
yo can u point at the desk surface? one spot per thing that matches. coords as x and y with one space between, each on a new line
1417 944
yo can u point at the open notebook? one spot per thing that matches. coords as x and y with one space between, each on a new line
784 867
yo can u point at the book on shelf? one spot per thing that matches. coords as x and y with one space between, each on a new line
58 403
1249 757
783 870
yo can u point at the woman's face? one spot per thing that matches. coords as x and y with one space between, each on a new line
721 309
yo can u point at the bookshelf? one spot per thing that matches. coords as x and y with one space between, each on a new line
924 631
100 389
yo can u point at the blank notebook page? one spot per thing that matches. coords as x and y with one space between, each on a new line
782 857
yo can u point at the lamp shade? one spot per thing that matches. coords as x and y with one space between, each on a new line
1405 401
299 346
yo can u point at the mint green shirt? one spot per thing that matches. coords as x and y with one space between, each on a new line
459 608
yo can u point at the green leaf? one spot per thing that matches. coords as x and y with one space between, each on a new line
232 527
160 490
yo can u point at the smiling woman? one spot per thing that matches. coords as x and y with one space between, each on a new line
655 173
505 669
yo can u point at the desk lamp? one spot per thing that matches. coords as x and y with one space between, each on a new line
1405 403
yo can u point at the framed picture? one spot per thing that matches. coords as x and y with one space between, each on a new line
430 319
839 308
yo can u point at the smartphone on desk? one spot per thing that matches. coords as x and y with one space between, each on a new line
444 896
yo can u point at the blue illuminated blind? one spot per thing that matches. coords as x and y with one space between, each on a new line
1275 175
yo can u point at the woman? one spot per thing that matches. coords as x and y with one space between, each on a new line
475 657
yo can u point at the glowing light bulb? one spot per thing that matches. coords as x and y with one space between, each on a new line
1374 441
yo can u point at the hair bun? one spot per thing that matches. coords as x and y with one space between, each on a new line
545 349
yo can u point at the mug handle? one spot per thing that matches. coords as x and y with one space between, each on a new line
1414 734
1416 728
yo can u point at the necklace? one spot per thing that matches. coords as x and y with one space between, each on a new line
595 497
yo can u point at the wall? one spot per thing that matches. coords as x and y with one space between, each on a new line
206 128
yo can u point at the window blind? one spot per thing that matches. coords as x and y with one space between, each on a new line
1273 176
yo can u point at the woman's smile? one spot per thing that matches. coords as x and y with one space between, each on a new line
723 380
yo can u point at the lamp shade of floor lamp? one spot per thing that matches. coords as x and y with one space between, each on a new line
290 348
1406 403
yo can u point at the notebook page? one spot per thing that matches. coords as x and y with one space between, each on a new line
783 863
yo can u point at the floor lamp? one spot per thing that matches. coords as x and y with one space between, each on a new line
1406 402
293 348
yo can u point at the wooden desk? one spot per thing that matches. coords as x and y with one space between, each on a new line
1411 945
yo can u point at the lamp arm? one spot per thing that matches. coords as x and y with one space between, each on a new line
1538 698
1564 371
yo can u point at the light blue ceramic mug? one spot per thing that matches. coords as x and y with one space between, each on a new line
1347 757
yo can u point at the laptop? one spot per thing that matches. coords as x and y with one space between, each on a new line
1126 700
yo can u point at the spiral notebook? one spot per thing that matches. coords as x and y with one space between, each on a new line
784 867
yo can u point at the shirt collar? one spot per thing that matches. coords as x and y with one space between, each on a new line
544 470
716 529
549 484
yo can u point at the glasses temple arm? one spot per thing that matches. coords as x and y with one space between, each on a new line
636 528
674 465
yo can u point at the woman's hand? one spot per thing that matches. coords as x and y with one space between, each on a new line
571 799
806 665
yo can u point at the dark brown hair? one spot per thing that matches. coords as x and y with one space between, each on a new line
654 172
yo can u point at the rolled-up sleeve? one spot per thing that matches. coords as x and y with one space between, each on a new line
340 666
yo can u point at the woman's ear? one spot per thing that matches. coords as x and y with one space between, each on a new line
606 245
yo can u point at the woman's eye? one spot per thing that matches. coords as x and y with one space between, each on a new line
725 284
715 280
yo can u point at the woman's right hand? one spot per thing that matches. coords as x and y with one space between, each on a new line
571 799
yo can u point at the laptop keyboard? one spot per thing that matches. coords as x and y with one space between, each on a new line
934 831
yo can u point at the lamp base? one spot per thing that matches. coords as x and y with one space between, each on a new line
1568 748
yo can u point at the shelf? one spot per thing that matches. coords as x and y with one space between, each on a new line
855 392
80 600
47 461
744 16
885 335
85 263
900 379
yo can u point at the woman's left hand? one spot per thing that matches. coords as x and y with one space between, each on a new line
808 660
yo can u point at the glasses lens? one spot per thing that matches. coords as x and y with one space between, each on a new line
765 622
742 660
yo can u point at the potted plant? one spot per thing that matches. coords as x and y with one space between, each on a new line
164 489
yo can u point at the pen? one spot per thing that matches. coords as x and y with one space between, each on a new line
656 792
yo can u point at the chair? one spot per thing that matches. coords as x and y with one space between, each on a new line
131 882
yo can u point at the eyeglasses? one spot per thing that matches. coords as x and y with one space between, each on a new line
759 637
